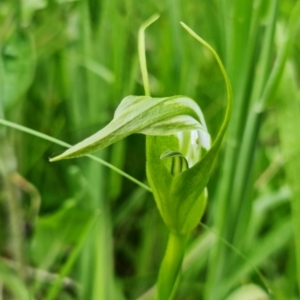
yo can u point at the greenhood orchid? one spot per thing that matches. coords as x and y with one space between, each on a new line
175 124
179 157
176 134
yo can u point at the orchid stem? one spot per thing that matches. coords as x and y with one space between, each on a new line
170 267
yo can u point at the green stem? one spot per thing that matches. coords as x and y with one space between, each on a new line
170 266
63 144
142 52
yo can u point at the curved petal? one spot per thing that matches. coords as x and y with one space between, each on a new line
142 114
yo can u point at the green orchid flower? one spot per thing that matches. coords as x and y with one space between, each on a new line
171 124
175 124
179 157
180 152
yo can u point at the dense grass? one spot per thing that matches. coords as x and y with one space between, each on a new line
77 229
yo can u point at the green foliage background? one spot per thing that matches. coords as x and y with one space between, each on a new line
77 230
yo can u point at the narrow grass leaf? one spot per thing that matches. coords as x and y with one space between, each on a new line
289 121
278 237
66 268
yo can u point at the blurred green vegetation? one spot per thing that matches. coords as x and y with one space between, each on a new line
77 230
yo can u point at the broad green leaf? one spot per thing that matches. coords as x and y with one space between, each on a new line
56 231
17 65
142 114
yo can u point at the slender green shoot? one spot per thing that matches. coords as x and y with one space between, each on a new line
142 52
227 81
66 145
239 253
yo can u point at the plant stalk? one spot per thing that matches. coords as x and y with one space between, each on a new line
171 265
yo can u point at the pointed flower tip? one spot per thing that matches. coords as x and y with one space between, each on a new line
52 159
56 158
156 16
